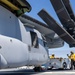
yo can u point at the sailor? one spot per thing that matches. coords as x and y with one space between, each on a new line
52 56
72 57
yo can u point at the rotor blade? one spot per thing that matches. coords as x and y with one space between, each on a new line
56 27
62 13
69 8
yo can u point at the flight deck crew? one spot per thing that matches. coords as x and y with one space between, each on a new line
52 56
72 57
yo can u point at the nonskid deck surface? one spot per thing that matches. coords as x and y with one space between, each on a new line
30 71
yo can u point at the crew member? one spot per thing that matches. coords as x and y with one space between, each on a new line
52 56
72 57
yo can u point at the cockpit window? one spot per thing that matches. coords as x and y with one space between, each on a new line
34 39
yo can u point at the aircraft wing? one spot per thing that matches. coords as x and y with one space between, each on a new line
54 43
62 13
49 35
56 27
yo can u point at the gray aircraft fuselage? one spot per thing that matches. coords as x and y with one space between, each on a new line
19 45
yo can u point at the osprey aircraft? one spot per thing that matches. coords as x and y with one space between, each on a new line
23 40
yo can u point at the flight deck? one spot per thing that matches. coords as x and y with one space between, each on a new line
29 71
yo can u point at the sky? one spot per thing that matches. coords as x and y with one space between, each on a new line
37 5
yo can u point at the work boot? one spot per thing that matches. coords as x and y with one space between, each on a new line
71 68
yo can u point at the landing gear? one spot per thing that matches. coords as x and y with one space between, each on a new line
37 69
64 65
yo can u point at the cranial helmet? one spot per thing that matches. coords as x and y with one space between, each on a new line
72 52
52 54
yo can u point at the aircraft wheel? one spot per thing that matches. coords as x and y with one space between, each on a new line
64 65
37 69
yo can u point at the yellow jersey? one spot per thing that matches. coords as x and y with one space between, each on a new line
52 57
72 56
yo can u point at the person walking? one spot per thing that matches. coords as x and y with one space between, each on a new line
72 57
52 56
